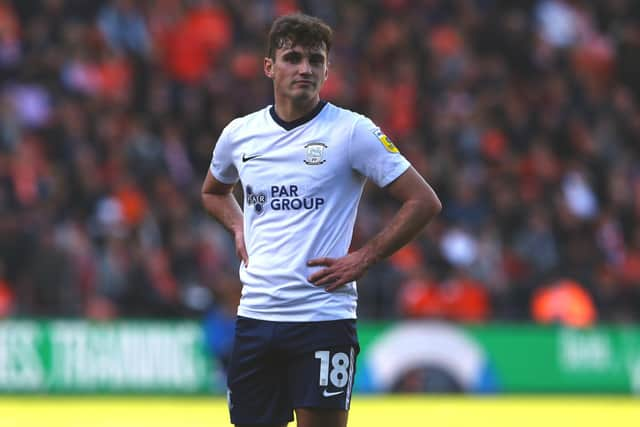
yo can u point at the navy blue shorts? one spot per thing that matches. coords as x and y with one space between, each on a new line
278 366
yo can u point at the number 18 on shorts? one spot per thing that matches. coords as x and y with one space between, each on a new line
335 372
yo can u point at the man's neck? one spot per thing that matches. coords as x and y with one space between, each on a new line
289 110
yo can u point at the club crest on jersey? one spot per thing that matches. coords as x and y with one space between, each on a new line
390 147
315 153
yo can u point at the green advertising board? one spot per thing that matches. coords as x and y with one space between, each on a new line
158 357
117 357
557 359
502 358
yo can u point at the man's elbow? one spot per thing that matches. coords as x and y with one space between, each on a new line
436 205
208 198
430 205
204 193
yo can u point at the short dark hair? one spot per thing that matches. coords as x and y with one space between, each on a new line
298 29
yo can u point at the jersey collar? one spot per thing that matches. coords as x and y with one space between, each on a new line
302 120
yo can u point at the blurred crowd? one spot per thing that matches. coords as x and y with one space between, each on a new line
524 115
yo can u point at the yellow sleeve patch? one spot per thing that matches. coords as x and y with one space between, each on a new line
384 139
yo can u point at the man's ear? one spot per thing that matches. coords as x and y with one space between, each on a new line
268 67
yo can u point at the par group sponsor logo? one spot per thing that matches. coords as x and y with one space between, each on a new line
281 198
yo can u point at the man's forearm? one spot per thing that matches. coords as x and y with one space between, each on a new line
406 224
219 202
225 209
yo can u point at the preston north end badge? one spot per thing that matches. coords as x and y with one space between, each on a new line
315 153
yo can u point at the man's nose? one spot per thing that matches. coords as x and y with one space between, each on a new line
305 67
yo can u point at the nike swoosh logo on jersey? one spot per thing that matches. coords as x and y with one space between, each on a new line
326 393
246 158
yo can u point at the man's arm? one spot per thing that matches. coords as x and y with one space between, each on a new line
419 205
219 202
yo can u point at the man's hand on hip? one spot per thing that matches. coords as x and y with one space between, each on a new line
338 271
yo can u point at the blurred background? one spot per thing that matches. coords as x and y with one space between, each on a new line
524 115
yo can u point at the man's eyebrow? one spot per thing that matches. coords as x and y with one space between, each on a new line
292 55
309 54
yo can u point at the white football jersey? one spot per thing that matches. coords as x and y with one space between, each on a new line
302 183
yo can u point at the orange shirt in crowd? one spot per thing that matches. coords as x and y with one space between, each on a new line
190 48
565 302
6 299
460 299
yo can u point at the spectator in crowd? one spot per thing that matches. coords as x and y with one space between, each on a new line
523 115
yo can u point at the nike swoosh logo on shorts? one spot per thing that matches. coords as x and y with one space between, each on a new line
326 393
246 158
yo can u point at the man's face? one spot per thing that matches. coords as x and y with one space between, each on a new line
298 72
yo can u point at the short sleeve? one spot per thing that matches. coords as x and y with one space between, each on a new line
374 155
222 167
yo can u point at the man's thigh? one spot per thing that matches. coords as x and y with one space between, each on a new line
256 379
322 366
307 417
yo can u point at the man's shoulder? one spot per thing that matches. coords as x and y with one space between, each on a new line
340 113
348 118
251 120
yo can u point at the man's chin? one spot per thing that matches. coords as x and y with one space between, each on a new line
303 97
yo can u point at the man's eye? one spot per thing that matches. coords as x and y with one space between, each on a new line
292 58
